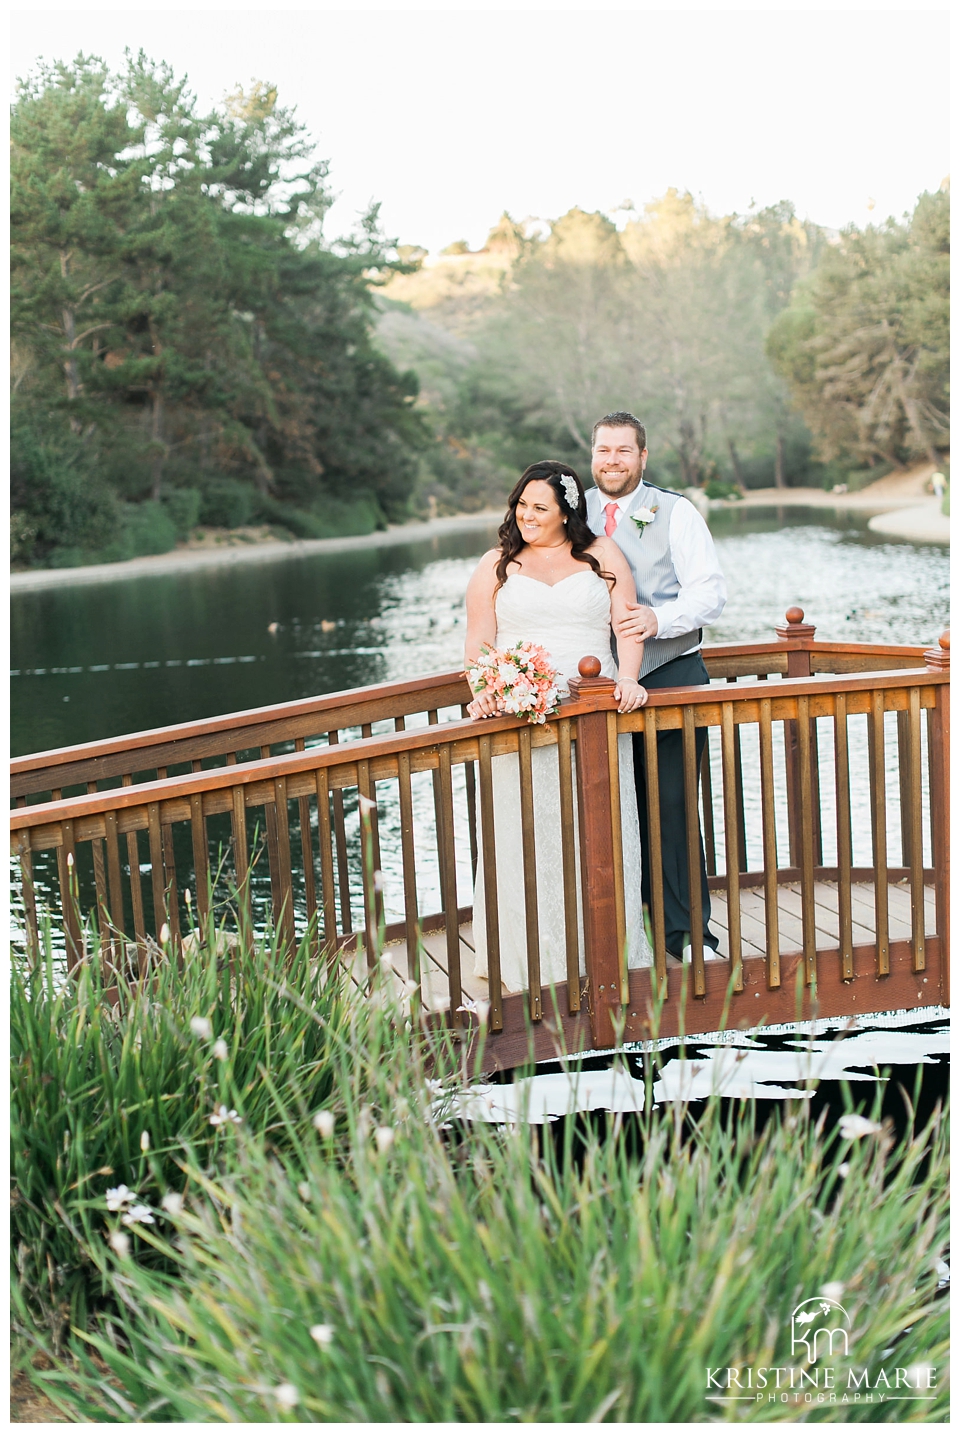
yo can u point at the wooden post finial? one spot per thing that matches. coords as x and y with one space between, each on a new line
796 628
590 679
938 658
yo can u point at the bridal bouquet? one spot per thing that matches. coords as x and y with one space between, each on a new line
523 679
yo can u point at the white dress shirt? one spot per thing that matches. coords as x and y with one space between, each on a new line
703 587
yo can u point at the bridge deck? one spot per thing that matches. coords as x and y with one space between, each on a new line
435 988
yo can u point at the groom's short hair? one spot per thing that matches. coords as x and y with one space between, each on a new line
621 420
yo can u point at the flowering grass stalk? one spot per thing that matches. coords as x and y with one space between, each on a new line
505 1274
112 1087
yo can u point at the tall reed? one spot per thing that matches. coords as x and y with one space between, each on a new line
113 1083
408 1267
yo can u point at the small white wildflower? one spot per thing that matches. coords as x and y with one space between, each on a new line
303 1189
139 1214
378 881
410 987
201 1027
385 1137
364 1121
367 807
117 1198
144 1142
70 859
921 1375
855 1126
833 1291
172 1203
323 1123
843 1170
386 960
220 1050
164 933
223 1116
186 897
120 1243
480 1008
286 1395
322 1334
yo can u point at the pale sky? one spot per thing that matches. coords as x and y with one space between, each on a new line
450 115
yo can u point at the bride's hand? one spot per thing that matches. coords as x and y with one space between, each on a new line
484 704
630 695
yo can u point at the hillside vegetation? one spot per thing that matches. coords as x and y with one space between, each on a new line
189 348
759 350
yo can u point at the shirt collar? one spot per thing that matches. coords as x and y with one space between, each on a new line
630 501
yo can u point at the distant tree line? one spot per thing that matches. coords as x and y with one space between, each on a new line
760 350
186 347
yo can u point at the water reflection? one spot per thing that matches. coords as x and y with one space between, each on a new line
97 661
777 1063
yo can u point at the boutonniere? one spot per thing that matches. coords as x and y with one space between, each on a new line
643 517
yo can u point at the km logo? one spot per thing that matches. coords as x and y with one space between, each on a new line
820 1326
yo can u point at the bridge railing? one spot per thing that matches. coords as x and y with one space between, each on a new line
349 837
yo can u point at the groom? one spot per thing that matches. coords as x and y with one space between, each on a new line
680 587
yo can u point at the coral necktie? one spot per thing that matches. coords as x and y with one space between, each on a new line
611 527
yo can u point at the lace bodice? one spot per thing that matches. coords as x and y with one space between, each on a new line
571 620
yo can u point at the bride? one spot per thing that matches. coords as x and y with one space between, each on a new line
551 581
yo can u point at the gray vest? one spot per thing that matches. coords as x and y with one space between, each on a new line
648 552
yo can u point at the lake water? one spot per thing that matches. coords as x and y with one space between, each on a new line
97 661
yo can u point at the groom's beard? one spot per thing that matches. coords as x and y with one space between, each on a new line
617 484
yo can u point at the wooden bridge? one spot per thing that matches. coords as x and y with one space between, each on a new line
342 819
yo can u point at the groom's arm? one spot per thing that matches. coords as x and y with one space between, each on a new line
703 588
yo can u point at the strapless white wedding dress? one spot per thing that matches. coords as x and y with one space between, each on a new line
571 620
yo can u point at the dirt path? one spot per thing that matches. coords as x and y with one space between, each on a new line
904 489
899 503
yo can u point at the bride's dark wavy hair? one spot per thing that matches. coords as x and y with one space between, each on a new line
580 536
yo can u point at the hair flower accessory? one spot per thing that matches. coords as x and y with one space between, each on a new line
570 491
643 517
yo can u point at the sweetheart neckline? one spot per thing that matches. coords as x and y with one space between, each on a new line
559 583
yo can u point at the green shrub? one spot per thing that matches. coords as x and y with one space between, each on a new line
90 1078
62 507
23 535
715 488
331 517
182 506
416 1269
227 503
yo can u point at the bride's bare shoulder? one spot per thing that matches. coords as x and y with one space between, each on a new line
484 574
605 547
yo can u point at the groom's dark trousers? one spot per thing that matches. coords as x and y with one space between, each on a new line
686 671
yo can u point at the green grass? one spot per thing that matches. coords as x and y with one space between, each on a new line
94 1081
461 1273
